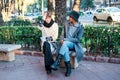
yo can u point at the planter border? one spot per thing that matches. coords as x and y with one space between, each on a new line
85 58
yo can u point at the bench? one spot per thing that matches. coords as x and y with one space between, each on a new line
7 51
73 60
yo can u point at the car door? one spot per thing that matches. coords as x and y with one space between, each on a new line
99 14
103 14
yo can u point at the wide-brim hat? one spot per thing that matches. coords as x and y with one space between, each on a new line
74 15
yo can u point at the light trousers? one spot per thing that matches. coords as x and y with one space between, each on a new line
65 50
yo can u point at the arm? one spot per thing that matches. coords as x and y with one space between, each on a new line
40 24
55 32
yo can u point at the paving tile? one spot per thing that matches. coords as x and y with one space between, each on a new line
32 68
2 65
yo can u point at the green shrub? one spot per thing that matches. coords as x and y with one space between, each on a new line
20 35
94 37
97 39
81 13
18 22
39 19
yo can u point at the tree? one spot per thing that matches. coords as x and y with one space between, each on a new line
39 3
76 5
86 4
50 7
20 4
71 4
3 6
60 12
105 3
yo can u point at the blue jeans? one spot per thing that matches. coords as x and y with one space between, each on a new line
65 48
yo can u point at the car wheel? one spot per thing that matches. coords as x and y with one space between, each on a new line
110 21
95 19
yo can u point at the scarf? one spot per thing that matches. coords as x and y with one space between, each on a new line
48 25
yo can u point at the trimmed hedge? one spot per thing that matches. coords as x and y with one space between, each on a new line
18 22
95 38
25 36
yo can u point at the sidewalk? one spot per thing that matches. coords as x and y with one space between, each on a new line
32 68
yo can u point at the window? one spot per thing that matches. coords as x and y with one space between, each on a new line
114 0
99 10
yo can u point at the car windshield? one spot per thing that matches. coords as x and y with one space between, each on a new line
113 9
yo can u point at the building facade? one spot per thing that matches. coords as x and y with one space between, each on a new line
115 3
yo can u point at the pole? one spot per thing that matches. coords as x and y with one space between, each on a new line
105 3
109 45
109 3
42 7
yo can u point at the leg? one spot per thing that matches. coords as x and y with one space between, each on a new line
68 68
47 56
48 69
40 44
64 51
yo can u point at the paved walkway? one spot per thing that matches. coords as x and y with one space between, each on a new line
32 68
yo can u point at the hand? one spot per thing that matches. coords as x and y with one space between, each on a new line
40 23
61 41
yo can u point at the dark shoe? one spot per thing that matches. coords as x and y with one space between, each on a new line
68 69
49 72
55 65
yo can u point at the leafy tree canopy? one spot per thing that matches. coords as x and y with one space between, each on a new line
86 4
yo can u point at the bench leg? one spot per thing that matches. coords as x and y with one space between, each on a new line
7 56
73 61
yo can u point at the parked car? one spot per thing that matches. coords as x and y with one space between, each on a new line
88 12
109 14
31 17
13 16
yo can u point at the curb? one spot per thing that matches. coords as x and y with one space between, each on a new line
28 53
102 59
85 58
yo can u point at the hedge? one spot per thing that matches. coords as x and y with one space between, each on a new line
102 39
25 36
95 38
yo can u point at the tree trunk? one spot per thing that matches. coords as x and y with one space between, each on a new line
50 5
71 4
76 5
51 8
60 12
1 17
109 3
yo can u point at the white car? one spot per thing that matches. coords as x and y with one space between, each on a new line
109 14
